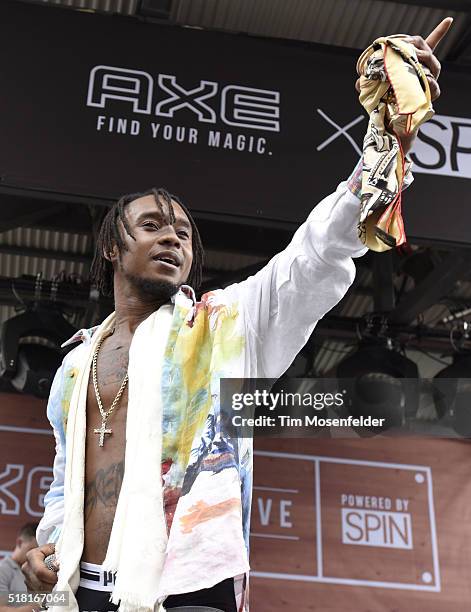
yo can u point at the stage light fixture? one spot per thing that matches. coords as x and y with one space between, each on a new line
36 367
452 393
379 382
30 350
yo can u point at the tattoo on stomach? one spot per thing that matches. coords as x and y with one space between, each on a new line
104 489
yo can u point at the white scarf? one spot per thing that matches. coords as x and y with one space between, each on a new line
138 540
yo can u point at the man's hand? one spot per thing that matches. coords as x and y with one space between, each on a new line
424 50
425 54
37 576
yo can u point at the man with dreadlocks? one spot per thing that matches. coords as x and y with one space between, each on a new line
150 504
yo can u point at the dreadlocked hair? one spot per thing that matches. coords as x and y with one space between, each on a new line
102 272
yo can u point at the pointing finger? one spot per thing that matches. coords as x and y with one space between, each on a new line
439 32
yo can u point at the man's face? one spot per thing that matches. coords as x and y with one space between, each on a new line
160 258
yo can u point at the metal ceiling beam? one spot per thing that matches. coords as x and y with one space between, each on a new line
456 266
74 219
461 46
126 7
16 214
330 327
24 209
383 287
74 300
446 5
156 9
344 329
63 295
22 251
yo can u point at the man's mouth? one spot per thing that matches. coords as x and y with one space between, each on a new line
168 258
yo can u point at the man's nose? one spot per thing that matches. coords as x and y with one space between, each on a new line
169 236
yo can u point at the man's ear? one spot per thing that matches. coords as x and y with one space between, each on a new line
112 255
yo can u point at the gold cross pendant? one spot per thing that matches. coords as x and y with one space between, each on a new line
102 431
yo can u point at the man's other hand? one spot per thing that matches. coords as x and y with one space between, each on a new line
38 576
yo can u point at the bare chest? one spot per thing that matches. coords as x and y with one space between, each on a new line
111 369
104 465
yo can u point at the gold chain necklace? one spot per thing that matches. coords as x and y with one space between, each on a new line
105 414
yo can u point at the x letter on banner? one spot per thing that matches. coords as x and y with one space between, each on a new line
341 131
191 98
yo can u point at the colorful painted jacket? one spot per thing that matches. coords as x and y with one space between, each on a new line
254 328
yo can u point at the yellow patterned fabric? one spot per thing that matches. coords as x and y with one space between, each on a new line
395 93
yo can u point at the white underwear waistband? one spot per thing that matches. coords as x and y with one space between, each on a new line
94 577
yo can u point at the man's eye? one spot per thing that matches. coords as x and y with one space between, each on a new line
150 224
184 234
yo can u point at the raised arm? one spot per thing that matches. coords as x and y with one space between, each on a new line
284 301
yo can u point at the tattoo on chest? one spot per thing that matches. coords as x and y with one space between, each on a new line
112 367
104 488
